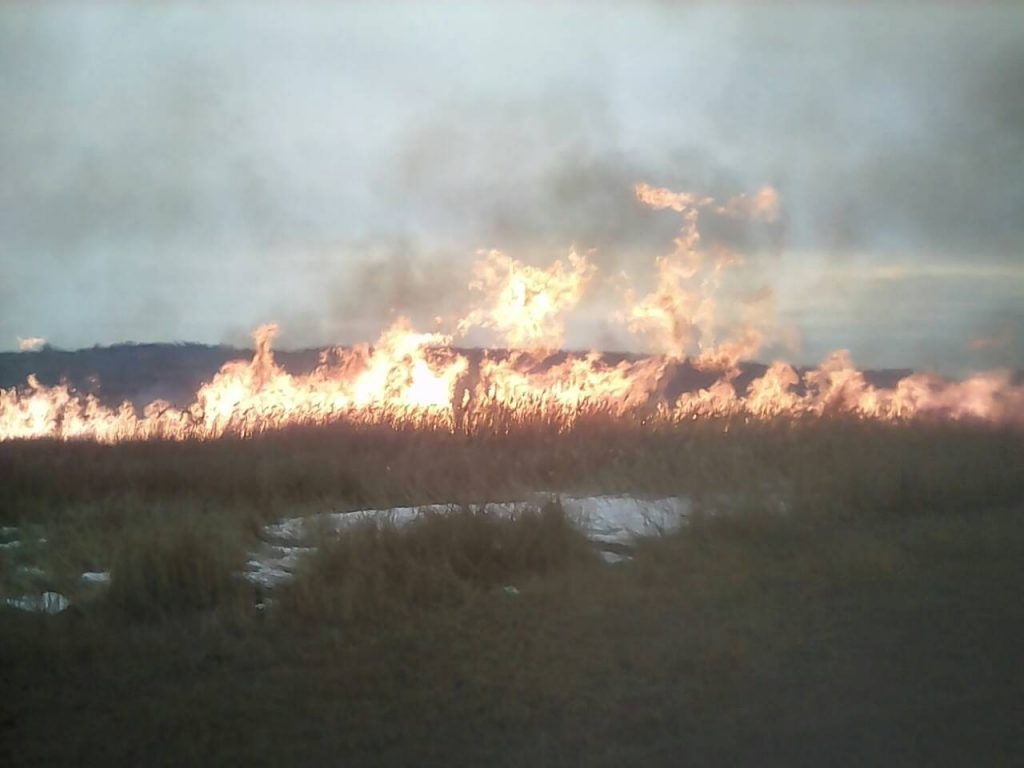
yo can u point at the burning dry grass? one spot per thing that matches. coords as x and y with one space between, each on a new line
410 379
852 544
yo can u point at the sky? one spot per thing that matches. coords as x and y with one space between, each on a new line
185 172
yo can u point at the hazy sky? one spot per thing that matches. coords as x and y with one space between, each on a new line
186 172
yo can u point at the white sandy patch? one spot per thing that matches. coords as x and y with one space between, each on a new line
31 571
605 520
32 547
612 523
274 564
48 602
95 577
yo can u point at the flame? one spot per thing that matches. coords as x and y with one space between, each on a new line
678 317
772 394
405 374
409 378
526 305
524 384
763 206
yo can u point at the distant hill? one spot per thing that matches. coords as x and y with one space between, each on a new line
141 373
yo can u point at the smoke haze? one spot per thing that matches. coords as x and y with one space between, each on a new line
186 172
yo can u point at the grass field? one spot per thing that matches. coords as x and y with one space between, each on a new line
846 593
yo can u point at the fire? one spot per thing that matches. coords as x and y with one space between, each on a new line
524 304
406 374
678 317
410 378
525 384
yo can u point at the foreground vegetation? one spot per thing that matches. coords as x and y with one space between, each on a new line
847 593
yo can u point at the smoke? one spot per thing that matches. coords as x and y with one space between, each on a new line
164 177
386 279
31 344
891 130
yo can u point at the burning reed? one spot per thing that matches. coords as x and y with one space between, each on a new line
410 379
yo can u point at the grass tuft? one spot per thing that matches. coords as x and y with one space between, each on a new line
378 568
172 563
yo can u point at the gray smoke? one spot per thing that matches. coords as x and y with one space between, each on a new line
189 172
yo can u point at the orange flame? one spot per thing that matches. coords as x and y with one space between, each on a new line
524 304
419 379
678 317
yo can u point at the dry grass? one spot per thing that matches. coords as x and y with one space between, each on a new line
835 466
854 600
91 501
175 562
439 560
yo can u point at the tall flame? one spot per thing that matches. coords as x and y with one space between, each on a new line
420 379
678 317
526 305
